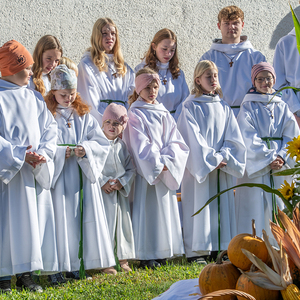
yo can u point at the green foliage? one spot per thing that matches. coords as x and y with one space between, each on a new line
297 28
139 284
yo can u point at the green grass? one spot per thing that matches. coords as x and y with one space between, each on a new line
139 284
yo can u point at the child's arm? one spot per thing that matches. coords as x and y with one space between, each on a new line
79 151
277 163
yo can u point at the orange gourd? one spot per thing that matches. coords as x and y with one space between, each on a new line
218 276
249 242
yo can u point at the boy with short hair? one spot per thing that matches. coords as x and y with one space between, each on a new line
234 56
27 147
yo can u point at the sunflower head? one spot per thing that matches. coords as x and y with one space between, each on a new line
293 148
287 190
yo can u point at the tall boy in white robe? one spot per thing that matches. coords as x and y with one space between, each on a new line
234 56
27 147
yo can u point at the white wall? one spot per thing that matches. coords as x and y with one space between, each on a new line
194 22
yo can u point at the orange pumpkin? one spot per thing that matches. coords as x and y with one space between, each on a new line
246 285
249 242
218 276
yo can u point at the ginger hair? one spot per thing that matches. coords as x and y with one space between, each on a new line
98 53
230 13
79 106
200 69
47 42
132 98
69 63
151 59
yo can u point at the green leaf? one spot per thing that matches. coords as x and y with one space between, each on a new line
262 186
286 172
297 28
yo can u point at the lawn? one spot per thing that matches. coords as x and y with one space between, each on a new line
139 284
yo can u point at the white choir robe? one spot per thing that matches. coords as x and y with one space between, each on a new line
26 243
119 166
287 68
235 81
210 129
95 86
255 122
46 81
97 249
172 92
154 141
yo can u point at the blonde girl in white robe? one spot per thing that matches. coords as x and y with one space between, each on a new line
217 154
159 154
162 57
46 56
103 76
77 127
116 181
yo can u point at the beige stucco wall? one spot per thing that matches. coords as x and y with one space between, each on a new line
194 22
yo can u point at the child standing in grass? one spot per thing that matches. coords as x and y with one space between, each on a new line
160 154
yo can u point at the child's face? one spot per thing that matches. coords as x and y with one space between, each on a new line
65 97
112 129
164 50
22 78
50 60
108 38
231 29
150 92
264 82
208 80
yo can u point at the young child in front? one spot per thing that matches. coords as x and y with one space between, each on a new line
46 56
159 153
28 135
116 181
162 57
81 152
103 75
267 125
217 154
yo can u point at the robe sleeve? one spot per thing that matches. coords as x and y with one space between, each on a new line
96 147
59 162
131 83
89 90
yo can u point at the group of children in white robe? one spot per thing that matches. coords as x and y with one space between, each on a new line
145 156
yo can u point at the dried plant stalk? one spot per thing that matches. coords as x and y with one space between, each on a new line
227 292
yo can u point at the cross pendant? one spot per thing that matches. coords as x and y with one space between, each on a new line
115 75
164 81
231 63
69 124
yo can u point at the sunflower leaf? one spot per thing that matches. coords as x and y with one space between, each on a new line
297 28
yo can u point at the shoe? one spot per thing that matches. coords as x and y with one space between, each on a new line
25 281
197 259
75 275
57 279
110 271
125 266
5 286
162 262
150 264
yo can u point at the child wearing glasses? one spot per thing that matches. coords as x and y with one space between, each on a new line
267 125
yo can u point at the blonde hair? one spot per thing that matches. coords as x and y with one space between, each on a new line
151 59
98 53
69 63
47 42
200 69
230 13
132 98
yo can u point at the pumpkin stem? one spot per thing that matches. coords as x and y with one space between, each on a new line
220 256
253 229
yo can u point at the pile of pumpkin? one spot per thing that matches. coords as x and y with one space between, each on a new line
228 280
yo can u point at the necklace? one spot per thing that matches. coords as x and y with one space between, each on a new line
163 79
114 73
67 119
270 110
231 59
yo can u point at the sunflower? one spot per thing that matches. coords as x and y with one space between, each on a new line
293 148
287 190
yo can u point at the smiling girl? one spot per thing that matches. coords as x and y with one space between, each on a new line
160 154
217 153
103 76
162 57
46 55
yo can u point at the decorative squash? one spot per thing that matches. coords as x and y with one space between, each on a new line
246 285
217 276
249 242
